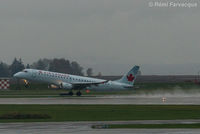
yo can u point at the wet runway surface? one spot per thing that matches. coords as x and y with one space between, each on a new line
85 128
111 99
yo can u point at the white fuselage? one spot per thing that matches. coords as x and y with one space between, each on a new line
57 78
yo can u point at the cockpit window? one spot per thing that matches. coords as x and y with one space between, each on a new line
25 71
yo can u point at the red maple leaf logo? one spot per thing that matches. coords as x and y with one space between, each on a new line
130 77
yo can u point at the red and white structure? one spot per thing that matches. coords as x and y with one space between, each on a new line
4 83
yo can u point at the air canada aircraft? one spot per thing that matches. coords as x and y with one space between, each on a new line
74 82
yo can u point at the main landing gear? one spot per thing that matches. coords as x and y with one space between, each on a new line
78 93
70 93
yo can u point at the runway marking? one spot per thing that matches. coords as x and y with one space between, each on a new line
105 100
85 127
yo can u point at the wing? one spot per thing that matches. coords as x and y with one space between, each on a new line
81 85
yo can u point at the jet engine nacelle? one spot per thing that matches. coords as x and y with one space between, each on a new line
66 85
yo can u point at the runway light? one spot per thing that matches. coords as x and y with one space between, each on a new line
163 99
87 90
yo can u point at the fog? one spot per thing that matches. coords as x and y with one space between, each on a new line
108 35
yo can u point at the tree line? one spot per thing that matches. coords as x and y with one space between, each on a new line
56 65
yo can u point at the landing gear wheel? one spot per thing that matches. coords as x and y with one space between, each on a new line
71 93
26 85
78 93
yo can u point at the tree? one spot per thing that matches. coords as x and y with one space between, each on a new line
41 64
60 65
99 74
16 66
57 65
76 68
64 66
27 66
89 71
4 70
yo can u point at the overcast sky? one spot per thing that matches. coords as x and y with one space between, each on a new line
108 35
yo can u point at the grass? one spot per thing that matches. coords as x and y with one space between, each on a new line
103 112
153 126
29 96
17 115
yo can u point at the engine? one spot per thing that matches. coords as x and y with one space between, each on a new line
66 85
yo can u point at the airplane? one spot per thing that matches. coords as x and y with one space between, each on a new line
75 82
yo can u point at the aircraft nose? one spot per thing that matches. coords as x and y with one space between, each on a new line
16 75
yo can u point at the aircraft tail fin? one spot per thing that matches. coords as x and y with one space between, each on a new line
129 78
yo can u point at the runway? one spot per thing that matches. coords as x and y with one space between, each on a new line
109 99
85 128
